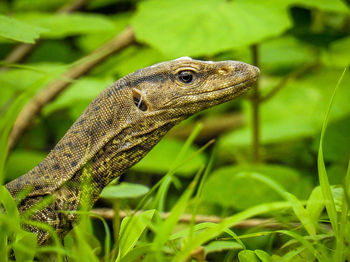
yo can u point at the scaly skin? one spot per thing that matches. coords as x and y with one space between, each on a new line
120 126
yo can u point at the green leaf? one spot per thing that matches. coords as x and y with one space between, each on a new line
124 190
38 5
6 95
85 244
315 204
10 205
302 214
338 196
338 53
90 42
56 51
247 191
24 246
77 97
218 246
63 25
336 142
19 79
263 256
19 30
227 25
247 256
284 53
162 155
128 61
131 230
336 172
28 160
136 253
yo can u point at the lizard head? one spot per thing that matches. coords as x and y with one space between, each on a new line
179 88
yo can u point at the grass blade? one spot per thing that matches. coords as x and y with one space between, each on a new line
305 243
179 160
131 232
322 173
166 227
297 206
213 232
343 225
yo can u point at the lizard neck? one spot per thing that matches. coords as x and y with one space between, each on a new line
120 153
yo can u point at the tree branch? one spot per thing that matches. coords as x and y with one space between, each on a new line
295 74
107 213
19 53
122 40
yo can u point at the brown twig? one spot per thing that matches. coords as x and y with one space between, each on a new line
197 254
21 51
122 40
71 7
107 213
295 74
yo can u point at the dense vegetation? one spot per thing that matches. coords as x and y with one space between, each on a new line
267 161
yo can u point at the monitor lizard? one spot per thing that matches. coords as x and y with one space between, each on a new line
119 127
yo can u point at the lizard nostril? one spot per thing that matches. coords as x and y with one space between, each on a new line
138 101
223 71
256 70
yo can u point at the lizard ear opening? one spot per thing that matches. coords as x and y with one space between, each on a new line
138 101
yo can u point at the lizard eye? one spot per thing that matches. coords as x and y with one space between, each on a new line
139 102
185 76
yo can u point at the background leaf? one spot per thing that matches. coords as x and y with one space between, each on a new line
18 30
161 157
247 21
124 190
62 25
227 188
217 246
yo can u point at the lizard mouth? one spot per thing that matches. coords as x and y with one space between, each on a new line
222 94
238 88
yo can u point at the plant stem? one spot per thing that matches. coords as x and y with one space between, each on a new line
255 102
116 221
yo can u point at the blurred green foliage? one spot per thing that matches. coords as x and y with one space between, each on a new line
302 48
